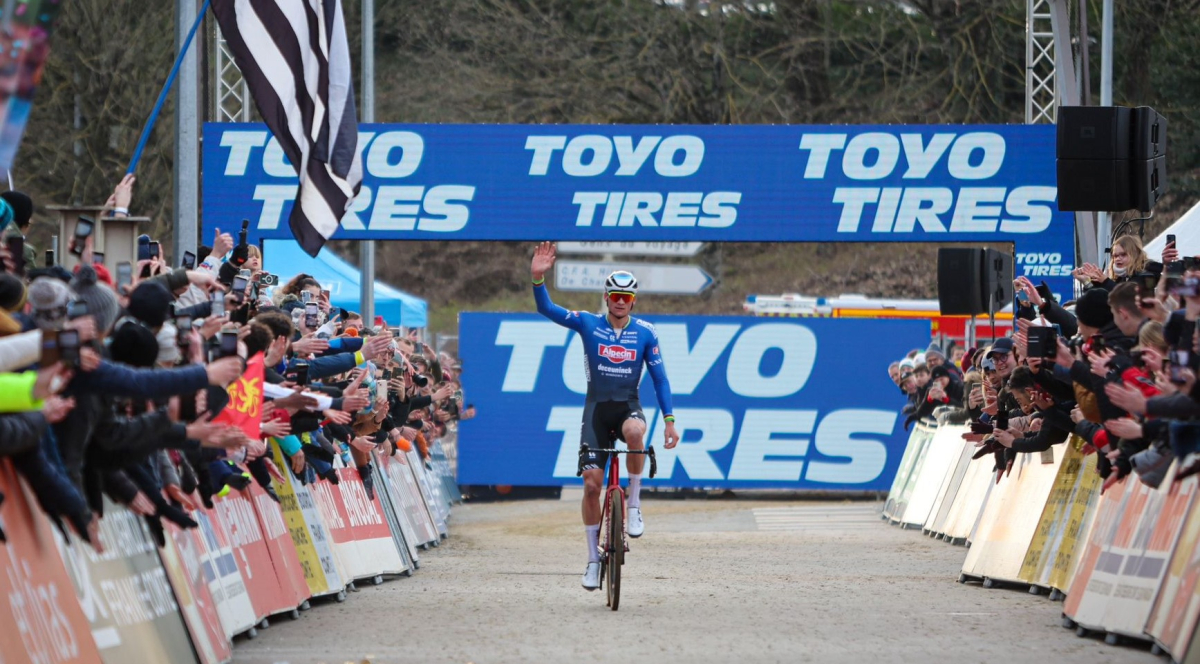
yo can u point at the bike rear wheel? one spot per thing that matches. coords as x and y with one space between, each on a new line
616 553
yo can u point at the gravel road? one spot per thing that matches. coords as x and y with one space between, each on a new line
718 580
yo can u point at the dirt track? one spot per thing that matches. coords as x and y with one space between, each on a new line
712 581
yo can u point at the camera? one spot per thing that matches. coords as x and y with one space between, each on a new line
982 427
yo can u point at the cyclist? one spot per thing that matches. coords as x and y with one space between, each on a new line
616 346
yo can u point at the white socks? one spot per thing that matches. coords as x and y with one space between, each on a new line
593 538
635 491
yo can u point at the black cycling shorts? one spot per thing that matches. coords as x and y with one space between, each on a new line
602 424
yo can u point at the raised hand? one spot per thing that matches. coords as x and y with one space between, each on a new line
543 259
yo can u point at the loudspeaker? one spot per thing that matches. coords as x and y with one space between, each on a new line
960 282
1110 158
997 279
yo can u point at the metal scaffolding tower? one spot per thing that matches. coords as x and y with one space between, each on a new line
232 97
1041 99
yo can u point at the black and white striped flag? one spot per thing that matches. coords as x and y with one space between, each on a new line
296 62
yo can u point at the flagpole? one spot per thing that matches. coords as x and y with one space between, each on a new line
366 249
162 96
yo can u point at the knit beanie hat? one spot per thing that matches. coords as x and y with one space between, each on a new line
49 297
133 344
21 204
934 349
1092 308
12 292
150 303
101 300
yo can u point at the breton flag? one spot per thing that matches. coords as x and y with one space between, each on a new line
296 62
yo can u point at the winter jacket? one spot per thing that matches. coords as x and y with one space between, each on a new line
20 350
20 432
16 392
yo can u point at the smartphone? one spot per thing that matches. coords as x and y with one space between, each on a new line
187 407
218 304
49 258
311 312
68 347
268 279
229 344
183 329
1042 342
16 250
77 309
1022 297
297 373
97 258
325 294
83 229
189 261
124 275
239 288
1171 241
1179 361
155 250
305 297
1097 343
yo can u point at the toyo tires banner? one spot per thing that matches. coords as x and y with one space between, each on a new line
740 183
781 403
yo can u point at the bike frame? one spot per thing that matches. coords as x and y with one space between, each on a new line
614 484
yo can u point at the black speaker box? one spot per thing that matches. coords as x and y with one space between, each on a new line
998 279
960 281
1110 158
1096 184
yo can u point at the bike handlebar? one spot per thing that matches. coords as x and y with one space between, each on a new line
649 450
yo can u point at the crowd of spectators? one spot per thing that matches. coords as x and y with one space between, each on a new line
117 380
1116 367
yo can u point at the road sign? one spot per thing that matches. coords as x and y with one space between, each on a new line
632 248
652 278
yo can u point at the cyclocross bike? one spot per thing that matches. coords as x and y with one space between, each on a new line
615 542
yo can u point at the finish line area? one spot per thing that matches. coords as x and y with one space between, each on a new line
712 580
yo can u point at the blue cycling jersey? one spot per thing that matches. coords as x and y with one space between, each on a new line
613 360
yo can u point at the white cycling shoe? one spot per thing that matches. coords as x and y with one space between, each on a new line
636 525
591 578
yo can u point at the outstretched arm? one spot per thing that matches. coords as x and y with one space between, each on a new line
543 261
662 387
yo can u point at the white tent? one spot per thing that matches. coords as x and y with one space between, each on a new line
1186 230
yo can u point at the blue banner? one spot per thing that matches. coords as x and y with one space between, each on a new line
726 183
767 403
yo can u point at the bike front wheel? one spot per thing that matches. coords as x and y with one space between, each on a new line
616 555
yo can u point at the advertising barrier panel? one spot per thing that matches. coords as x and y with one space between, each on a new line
223 576
732 183
235 515
181 558
285 560
407 500
307 530
40 619
368 527
125 594
760 403
1176 613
